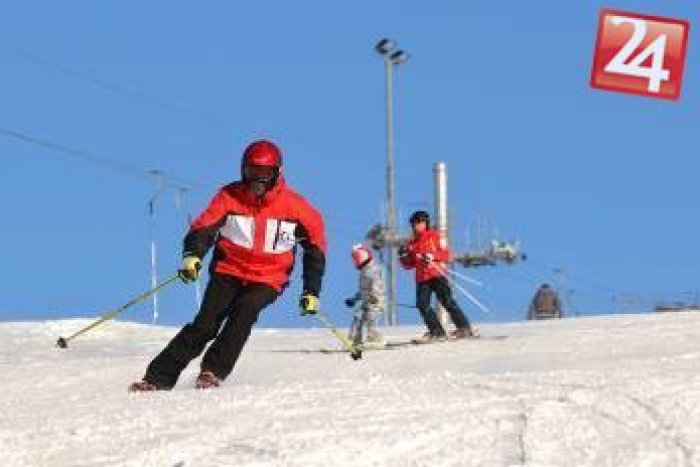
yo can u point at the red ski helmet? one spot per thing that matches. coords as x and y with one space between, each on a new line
361 255
260 165
263 153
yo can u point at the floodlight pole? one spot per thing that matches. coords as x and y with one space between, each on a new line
392 264
392 57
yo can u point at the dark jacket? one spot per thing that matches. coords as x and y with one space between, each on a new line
545 304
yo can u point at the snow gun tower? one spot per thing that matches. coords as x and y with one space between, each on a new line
499 251
381 237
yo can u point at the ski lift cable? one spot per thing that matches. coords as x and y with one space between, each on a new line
213 121
591 283
130 170
106 163
36 58
140 97
534 278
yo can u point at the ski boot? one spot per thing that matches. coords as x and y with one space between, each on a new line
207 380
430 337
463 333
142 386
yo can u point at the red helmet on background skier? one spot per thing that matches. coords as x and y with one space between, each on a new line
260 166
361 255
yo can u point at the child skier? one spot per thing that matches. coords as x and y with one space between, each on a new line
371 298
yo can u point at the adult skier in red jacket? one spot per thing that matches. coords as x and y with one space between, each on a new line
254 226
427 253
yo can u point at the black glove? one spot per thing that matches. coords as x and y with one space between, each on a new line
350 302
403 251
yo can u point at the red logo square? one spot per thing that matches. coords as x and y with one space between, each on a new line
640 54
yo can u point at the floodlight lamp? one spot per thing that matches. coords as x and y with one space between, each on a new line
398 57
385 46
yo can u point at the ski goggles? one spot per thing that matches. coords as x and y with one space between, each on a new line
260 172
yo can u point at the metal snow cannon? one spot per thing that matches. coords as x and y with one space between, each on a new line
497 251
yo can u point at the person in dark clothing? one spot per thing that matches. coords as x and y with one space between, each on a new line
427 253
545 304
254 226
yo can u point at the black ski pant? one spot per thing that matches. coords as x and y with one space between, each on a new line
226 299
442 290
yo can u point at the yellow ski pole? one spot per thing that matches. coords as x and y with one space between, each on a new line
355 352
63 341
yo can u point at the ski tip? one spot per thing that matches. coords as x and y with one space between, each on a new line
62 343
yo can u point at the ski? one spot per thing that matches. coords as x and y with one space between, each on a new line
419 341
393 345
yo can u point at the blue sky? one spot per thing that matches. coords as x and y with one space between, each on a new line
603 185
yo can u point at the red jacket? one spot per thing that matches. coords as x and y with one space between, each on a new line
429 241
255 239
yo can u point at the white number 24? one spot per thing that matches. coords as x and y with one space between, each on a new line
654 73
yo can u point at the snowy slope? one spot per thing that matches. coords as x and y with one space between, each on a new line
597 391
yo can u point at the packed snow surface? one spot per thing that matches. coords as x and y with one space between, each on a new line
603 391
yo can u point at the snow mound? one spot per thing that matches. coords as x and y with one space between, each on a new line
604 391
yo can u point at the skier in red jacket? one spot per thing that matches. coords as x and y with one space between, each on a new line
254 226
427 253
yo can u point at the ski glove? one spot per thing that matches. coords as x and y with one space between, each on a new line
308 304
350 302
403 251
189 268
